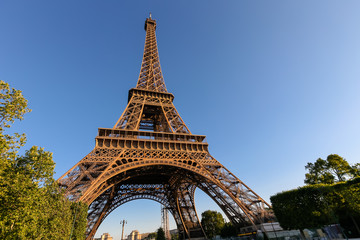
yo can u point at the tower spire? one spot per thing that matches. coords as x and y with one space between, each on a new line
150 77
150 106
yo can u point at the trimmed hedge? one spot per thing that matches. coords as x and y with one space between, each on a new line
317 205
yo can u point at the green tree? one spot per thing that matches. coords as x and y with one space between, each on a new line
212 222
355 170
32 205
160 234
228 230
175 236
13 106
320 204
151 236
302 208
79 211
333 169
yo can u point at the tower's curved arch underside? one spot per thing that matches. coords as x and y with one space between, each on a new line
171 185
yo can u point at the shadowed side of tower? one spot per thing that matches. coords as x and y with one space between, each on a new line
151 154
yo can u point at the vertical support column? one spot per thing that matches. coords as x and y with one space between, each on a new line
187 211
99 210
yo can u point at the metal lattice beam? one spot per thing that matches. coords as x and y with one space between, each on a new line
151 154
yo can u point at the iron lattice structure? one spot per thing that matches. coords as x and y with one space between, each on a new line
151 154
165 222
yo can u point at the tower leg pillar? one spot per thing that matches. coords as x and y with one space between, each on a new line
186 208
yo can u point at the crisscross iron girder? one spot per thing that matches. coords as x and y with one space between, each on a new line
150 77
196 169
123 193
151 154
179 202
169 119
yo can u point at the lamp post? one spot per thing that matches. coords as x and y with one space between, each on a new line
123 222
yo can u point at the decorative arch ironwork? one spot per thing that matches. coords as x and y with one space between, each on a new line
151 154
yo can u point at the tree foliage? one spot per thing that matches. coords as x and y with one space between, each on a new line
151 236
302 208
175 236
32 205
331 196
318 205
79 211
160 234
355 170
13 106
212 223
30 200
333 169
228 230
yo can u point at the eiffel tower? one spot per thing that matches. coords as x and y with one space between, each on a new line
151 154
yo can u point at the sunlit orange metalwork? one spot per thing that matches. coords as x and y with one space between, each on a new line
151 154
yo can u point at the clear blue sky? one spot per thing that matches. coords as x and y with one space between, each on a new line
273 84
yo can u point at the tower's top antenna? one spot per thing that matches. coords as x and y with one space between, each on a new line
151 21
